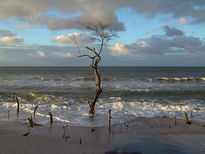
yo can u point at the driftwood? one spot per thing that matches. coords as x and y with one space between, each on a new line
26 134
31 123
17 101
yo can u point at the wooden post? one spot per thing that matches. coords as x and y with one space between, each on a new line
109 120
8 114
34 112
191 114
17 101
186 118
175 120
64 131
51 117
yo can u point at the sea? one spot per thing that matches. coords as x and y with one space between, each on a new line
129 92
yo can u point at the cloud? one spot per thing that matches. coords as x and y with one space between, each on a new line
119 49
71 38
154 30
25 25
142 43
41 53
172 43
90 11
4 33
31 55
172 31
63 54
11 40
182 21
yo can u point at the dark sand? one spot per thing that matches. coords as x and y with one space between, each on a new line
142 135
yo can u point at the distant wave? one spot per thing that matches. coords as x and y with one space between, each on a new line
65 95
43 78
177 79
91 78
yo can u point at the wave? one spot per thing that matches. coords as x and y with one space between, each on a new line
178 79
122 110
73 96
43 78
83 79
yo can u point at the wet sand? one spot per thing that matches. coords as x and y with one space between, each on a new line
142 135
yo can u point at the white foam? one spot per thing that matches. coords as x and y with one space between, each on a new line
178 79
202 78
121 110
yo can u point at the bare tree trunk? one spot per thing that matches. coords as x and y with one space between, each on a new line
98 89
103 34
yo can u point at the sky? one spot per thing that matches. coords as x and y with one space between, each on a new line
150 32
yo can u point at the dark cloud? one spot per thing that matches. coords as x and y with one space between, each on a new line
172 31
178 44
95 10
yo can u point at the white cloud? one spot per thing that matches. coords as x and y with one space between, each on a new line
182 21
142 43
63 54
119 49
11 40
72 37
41 53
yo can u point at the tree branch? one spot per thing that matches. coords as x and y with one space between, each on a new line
84 55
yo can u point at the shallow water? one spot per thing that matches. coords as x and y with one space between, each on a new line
128 91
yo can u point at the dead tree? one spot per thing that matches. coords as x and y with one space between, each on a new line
103 35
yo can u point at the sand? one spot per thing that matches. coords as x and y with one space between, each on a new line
142 135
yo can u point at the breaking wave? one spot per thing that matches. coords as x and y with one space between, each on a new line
122 110
177 79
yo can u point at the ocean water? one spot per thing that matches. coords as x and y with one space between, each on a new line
128 91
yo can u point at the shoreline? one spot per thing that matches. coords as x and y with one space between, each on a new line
141 135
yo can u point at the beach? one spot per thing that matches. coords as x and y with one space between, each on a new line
142 135
143 103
